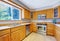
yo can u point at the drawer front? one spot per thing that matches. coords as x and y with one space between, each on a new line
2 32
50 31
17 28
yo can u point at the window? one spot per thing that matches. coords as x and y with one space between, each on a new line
8 12
5 13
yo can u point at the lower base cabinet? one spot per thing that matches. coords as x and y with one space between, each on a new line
5 37
33 27
22 33
15 36
19 34
50 30
57 35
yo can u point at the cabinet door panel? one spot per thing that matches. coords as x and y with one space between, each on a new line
50 13
33 27
57 35
22 33
15 36
50 29
3 32
5 37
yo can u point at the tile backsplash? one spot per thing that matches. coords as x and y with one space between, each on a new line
9 22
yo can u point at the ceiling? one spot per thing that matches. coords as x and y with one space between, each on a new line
39 4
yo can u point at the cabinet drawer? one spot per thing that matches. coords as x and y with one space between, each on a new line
50 28
2 32
50 34
51 31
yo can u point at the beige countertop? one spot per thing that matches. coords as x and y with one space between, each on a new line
12 26
57 25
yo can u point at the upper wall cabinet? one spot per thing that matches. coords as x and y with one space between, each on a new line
50 13
39 14
58 11
27 14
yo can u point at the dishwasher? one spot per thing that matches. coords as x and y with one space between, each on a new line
27 29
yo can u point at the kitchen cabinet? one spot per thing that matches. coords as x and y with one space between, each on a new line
50 30
18 33
27 14
57 33
58 11
33 27
5 35
50 13
15 36
36 13
22 33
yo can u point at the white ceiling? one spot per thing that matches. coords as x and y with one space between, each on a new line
39 4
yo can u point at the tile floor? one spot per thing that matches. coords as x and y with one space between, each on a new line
38 37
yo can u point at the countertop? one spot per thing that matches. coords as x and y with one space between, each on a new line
57 25
12 26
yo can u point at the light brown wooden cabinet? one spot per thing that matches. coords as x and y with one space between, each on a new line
58 11
50 30
27 14
15 36
50 13
57 33
18 33
5 37
33 27
36 13
22 33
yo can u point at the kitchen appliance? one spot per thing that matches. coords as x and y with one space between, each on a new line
27 29
41 29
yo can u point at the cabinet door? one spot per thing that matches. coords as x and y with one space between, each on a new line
58 11
33 27
57 35
50 13
27 14
15 36
22 33
5 37
50 29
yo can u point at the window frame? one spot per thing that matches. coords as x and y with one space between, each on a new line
20 10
